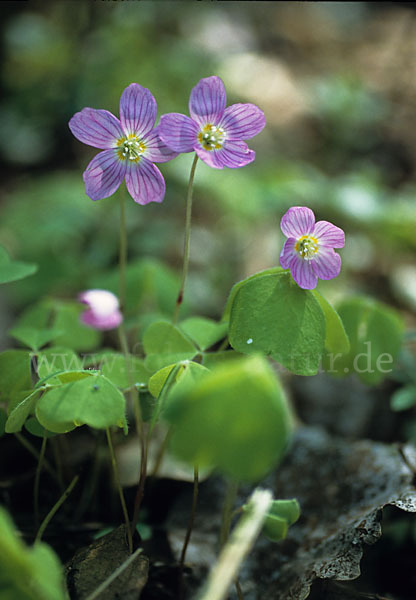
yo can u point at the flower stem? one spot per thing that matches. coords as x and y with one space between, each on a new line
58 462
123 251
55 508
161 453
186 240
120 490
37 479
26 444
144 444
189 530
144 441
227 512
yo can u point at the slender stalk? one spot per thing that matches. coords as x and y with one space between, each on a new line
161 453
238 590
189 530
55 508
227 512
135 397
30 448
120 490
58 462
144 444
187 239
104 585
123 250
37 480
133 390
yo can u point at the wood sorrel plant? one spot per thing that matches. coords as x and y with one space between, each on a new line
224 408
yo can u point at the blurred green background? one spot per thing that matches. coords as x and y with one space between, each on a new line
336 80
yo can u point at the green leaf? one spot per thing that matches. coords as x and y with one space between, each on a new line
286 509
20 413
34 338
165 344
56 359
281 514
157 381
36 316
147 405
235 418
273 315
16 398
12 270
70 376
92 401
375 332
239 284
336 339
404 398
204 332
27 573
124 373
77 336
61 316
33 426
14 372
3 419
210 360
275 528
171 378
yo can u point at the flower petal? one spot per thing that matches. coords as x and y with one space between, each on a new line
179 132
326 263
156 149
303 273
96 127
233 154
329 235
298 221
137 110
111 321
145 182
207 101
104 175
242 121
288 253
102 302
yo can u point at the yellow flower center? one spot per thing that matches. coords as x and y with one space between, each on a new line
211 137
306 247
130 148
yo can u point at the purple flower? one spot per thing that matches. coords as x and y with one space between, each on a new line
308 252
103 309
130 145
215 133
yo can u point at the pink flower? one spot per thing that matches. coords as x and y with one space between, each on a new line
214 132
103 309
309 251
131 146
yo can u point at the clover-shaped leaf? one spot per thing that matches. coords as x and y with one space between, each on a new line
271 314
234 418
165 344
12 270
92 400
